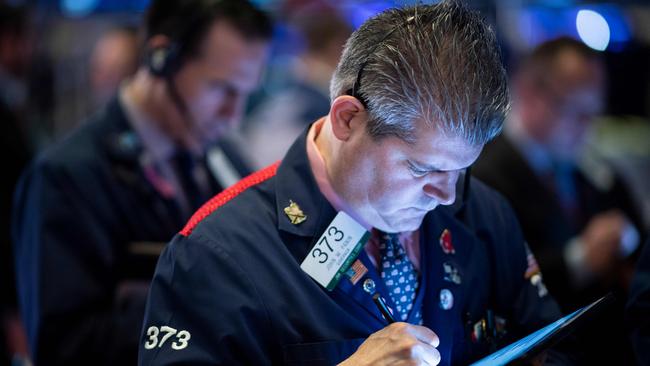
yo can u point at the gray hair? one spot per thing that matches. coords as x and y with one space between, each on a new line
437 63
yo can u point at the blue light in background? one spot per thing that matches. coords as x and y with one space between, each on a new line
537 24
619 25
593 29
78 8
358 13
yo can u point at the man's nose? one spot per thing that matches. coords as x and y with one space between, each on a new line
227 109
442 187
232 106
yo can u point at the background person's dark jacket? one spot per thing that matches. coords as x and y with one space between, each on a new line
547 229
88 228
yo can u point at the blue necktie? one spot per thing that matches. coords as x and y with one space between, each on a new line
399 275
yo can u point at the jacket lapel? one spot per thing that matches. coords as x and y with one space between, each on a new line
125 157
295 183
447 247
362 291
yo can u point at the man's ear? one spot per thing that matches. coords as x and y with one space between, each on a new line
346 115
157 41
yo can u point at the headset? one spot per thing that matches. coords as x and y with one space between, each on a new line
164 61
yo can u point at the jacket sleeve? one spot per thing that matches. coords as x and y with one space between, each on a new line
209 304
519 291
516 266
65 264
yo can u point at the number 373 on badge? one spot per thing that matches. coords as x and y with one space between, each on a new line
158 336
335 250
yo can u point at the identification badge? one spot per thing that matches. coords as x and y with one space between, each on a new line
335 251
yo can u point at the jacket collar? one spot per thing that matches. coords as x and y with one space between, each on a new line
121 141
295 182
127 159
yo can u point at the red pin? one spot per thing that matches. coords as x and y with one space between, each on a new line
445 242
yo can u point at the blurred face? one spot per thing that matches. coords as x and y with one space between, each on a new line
114 58
566 106
215 84
571 115
392 184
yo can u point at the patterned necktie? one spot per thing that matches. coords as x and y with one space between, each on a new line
399 275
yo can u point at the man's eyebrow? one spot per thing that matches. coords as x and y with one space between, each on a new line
432 168
217 82
424 166
223 84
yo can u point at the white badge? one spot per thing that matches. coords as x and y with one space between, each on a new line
335 251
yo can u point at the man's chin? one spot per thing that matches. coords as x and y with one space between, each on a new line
405 224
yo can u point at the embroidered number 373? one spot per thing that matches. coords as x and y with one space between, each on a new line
158 337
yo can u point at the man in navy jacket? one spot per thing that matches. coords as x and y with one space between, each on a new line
282 268
94 211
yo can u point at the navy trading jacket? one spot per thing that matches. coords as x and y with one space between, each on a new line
88 227
229 290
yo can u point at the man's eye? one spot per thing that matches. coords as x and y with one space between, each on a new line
417 172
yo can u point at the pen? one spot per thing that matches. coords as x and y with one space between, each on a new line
383 309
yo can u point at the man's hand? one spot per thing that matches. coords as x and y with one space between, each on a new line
601 240
397 344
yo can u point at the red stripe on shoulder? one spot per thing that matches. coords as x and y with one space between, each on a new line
228 194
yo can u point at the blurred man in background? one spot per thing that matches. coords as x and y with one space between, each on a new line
93 212
114 58
278 120
581 226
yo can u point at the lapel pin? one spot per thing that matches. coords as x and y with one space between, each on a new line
369 286
451 273
532 267
294 213
357 271
533 273
536 280
478 330
446 299
445 242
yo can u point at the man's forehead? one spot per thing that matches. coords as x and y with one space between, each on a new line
573 71
227 55
224 39
433 147
436 131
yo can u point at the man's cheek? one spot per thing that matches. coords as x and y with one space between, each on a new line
395 199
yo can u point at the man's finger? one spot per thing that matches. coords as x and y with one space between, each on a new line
428 353
424 334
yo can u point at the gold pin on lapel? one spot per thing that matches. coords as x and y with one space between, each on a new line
295 214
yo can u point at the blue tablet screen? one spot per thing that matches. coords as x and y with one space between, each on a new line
520 347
